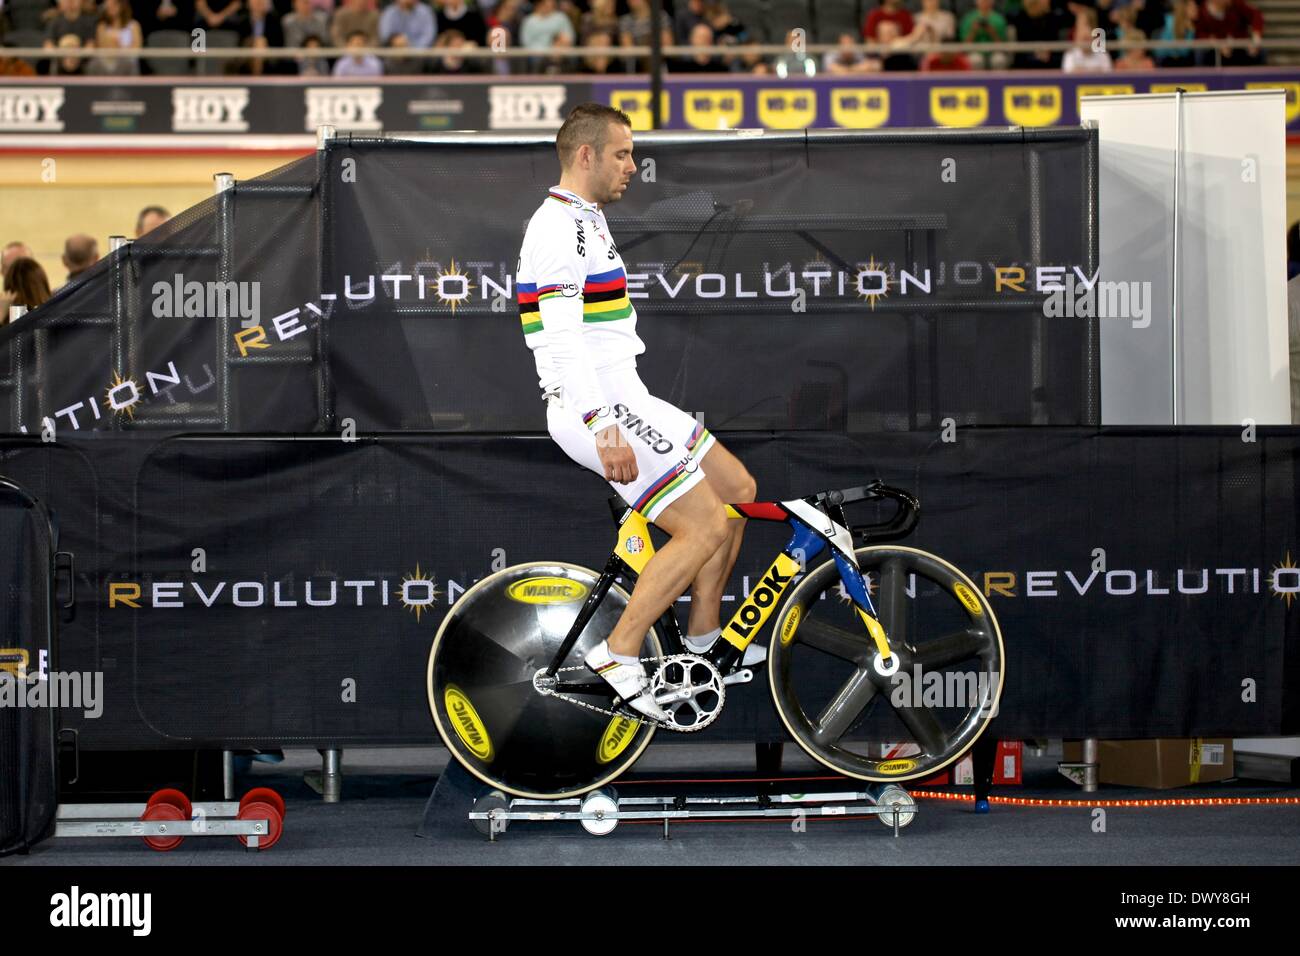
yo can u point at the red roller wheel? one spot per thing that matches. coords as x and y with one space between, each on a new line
166 811
262 810
264 795
175 798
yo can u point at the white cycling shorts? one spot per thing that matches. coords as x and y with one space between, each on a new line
669 444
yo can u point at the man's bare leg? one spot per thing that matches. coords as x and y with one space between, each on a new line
733 484
698 523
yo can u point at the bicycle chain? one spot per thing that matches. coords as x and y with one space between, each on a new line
662 662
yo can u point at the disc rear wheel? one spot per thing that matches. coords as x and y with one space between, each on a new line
481 693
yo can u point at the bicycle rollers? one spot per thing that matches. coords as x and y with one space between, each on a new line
480 684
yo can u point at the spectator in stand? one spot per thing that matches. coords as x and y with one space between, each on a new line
1134 58
259 29
80 252
701 35
601 18
945 61
1039 22
792 63
12 252
25 283
218 14
408 23
305 21
889 10
70 20
166 15
1178 25
689 13
1229 20
69 65
449 64
985 24
503 23
460 16
312 65
635 29
1083 57
751 61
895 59
355 16
117 30
727 30
150 218
358 64
933 24
846 60
600 65
547 28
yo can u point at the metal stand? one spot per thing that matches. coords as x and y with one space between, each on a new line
601 811
1083 773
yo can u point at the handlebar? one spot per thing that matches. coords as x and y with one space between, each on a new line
900 524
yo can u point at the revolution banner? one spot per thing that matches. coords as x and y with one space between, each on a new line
240 591
856 281
400 105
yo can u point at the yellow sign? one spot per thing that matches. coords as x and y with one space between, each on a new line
753 614
546 591
1032 105
959 105
1104 89
967 597
1175 87
636 104
787 108
615 739
1292 91
864 107
713 108
895 767
469 728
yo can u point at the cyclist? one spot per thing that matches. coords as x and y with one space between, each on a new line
581 325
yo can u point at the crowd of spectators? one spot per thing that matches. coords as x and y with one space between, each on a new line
24 281
559 30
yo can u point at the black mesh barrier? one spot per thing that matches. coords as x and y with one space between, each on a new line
246 591
28 708
844 281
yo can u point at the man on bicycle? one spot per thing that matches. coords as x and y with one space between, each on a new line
581 325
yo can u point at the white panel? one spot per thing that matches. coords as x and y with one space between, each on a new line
1233 356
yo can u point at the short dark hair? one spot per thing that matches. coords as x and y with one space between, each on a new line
587 125
147 210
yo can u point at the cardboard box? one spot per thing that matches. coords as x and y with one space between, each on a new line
1160 763
1008 765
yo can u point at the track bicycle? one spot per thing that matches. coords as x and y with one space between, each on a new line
861 639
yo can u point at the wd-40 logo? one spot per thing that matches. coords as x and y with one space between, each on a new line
349 107
210 109
525 107
36 109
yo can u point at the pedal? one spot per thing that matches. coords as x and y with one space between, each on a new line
742 676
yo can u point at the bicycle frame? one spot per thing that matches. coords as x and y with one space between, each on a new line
818 524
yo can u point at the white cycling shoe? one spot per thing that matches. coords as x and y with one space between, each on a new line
628 680
754 653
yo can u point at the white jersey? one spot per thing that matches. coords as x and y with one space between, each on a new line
573 303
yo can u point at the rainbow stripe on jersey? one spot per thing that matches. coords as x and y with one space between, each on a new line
604 299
